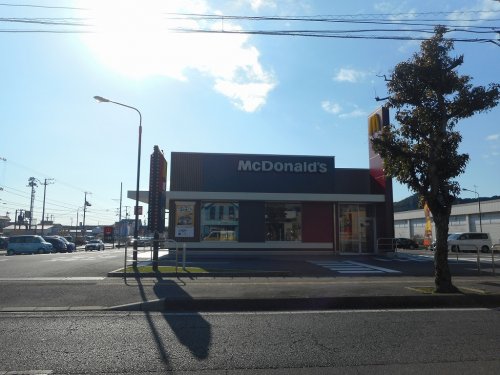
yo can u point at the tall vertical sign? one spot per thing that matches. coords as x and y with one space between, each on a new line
376 121
157 189
380 184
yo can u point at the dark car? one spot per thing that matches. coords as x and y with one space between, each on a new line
58 245
4 242
69 245
405 243
94 245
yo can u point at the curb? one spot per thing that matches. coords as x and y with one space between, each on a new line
295 304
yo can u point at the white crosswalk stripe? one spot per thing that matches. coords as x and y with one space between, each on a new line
407 258
351 267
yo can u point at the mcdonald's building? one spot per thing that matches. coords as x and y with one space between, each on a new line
274 202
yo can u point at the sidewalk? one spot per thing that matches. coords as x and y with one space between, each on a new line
250 282
292 293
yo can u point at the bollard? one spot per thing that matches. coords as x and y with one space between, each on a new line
184 257
493 260
478 260
125 264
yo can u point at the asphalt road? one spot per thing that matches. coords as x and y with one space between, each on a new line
334 342
78 264
99 263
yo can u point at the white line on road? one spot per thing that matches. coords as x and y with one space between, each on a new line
375 267
351 267
77 278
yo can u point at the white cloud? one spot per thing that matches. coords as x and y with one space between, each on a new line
488 9
331 107
354 113
135 39
399 11
336 109
493 137
248 96
349 75
256 5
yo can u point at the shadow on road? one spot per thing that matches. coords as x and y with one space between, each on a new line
192 330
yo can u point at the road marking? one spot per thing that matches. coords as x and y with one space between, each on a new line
351 267
28 372
82 257
407 258
76 278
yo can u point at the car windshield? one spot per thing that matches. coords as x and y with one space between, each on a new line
453 236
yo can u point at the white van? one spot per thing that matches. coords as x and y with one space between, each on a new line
471 241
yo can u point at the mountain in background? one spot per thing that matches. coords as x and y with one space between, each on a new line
413 202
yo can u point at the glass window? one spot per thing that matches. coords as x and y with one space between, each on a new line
283 222
356 228
219 221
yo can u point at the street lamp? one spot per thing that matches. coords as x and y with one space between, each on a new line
479 204
100 99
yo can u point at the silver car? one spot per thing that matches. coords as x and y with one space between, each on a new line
94 245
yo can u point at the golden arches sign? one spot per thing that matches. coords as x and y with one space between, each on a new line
374 124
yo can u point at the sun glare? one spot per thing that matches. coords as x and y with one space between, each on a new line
139 39
132 37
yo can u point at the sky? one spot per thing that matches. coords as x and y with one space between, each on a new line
221 90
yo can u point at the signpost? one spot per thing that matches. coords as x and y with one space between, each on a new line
157 201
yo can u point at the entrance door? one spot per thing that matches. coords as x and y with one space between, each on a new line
356 229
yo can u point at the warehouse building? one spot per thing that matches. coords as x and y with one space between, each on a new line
464 218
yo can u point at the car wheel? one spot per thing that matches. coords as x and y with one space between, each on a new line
10 252
485 249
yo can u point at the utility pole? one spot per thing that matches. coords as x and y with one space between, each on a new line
120 217
85 204
32 184
76 226
45 183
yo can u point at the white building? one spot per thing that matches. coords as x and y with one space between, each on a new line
464 218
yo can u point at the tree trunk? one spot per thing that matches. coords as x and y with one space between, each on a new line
442 272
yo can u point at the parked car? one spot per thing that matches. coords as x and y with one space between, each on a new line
470 241
29 244
141 241
94 245
4 241
405 243
58 245
70 245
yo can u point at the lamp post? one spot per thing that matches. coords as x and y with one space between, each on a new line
479 204
100 99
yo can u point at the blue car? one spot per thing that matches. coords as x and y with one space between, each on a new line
28 244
